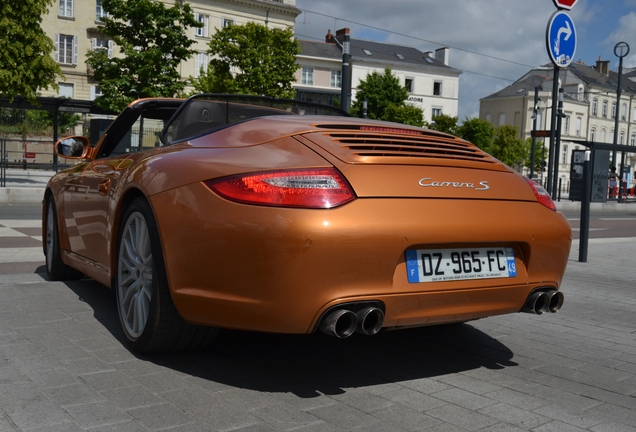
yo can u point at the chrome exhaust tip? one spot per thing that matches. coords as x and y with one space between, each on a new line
370 320
538 302
556 300
340 323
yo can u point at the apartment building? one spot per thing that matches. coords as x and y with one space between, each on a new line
74 26
432 84
590 108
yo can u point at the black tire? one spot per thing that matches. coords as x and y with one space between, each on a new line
56 270
149 319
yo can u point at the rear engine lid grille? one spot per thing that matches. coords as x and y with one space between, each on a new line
364 144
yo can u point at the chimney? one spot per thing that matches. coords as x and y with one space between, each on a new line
442 55
429 54
329 37
602 66
340 34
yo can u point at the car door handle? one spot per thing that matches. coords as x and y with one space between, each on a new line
103 186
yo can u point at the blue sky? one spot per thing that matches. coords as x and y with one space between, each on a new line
493 42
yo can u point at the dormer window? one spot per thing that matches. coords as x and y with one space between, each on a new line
400 56
367 52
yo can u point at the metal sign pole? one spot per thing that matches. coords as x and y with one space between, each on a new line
534 128
553 117
620 50
585 208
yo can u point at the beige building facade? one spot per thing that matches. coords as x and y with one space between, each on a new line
74 26
589 107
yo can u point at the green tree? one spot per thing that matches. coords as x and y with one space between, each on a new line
153 42
385 99
508 148
405 114
444 123
251 59
477 131
26 65
537 154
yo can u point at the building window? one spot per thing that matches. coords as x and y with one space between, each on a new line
613 109
539 119
632 140
308 76
502 119
66 90
436 112
96 91
437 88
104 44
66 8
66 49
603 135
226 22
201 64
624 112
564 158
579 120
336 78
595 107
621 138
604 113
408 83
204 20
592 135
612 136
566 125
488 118
99 11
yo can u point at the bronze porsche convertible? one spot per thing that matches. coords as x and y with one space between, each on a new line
282 216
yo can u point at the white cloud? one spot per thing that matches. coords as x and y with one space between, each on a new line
626 32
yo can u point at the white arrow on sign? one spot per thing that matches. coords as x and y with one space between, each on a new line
567 30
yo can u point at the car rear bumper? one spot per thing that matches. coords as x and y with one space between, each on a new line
278 269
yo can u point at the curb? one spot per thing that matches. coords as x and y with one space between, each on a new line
31 195
606 207
21 195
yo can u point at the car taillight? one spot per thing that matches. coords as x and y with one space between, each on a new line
542 195
319 188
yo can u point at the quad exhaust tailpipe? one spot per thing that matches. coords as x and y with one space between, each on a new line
539 302
370 320
342 322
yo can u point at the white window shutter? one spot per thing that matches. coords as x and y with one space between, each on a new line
93 44
196 29
205 26
111 44
92 97
56 57
74 49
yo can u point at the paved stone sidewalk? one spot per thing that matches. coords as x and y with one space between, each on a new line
64 367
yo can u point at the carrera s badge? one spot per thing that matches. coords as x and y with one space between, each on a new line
482 186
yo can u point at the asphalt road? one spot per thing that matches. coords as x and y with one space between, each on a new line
64 365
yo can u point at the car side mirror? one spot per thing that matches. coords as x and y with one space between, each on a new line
74 147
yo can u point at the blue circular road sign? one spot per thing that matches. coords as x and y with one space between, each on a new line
561 39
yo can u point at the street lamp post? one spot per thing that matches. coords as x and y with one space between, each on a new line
620 50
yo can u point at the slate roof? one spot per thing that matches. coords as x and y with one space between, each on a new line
380 52
526 83
586 73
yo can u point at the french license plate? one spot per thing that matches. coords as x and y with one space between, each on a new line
437 265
